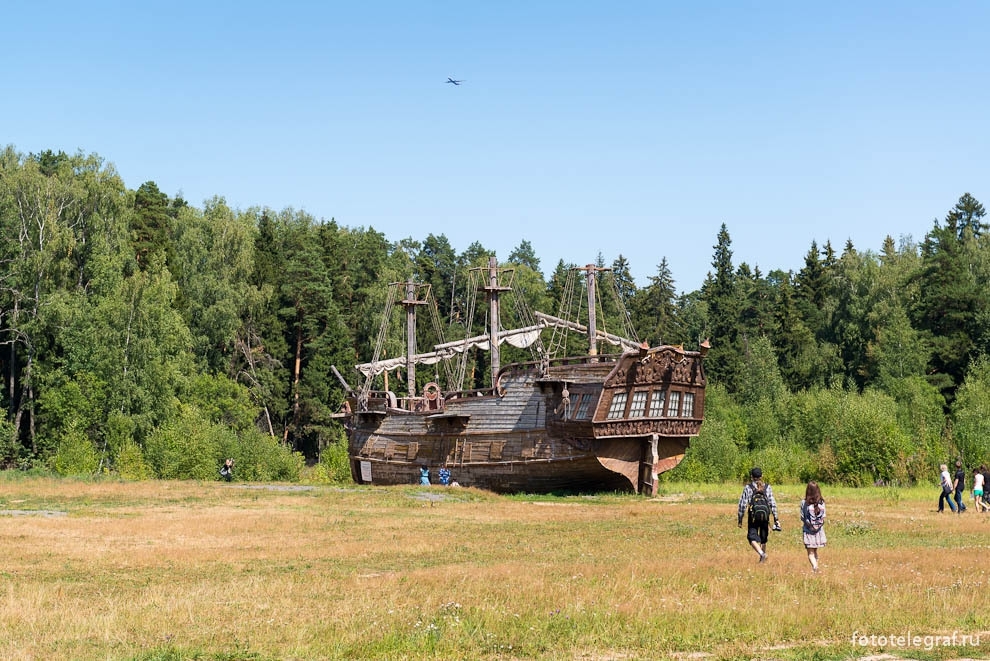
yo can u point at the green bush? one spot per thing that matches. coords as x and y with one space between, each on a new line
193 447
714 455
260 458
867 440
920 413
809 415
117 431
10 448
66 406
971 414
130 464
334 466
826 434
75 455
783 462
762 424
187 448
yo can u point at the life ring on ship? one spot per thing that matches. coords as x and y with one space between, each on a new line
431 391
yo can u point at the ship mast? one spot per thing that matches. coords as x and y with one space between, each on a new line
590 271
409 303
591 276
493 291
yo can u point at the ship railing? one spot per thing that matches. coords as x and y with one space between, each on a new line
475 392
379 400
557 362
586 360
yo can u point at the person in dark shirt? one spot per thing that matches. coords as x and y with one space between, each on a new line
959 484
756 533
227 472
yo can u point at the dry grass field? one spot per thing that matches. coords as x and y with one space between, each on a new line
179 570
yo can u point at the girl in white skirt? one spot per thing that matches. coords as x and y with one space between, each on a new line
813 520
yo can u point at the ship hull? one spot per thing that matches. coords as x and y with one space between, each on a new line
580 474
535 432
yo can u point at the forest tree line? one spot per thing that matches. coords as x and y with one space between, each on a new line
145 337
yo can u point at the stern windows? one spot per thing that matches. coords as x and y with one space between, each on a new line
687 407
643 403
618 406
638 406
657 402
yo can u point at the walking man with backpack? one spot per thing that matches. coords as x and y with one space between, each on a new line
757 500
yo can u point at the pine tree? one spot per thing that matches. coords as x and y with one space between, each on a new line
524 255
721 295
794 341
951 302
810 289
654 309
967 216
151 225
756 315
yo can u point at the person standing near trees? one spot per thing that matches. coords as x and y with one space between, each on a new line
757 499
945 484
978 482
227 472
958 485
813 522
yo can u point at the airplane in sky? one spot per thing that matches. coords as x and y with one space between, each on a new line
456 82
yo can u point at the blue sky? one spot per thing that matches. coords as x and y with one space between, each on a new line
633 128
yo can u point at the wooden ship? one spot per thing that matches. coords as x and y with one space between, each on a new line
597 422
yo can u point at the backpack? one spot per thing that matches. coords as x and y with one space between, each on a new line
812 521
759 507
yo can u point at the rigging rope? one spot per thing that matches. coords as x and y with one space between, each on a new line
599 306
627 326
526 318
462 361
558 340
380 341
435 319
